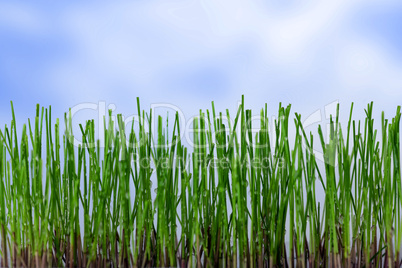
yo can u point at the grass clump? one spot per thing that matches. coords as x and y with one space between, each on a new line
237 198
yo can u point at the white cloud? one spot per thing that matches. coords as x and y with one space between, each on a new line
364 65
126 49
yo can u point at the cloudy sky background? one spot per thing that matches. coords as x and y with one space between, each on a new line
188 53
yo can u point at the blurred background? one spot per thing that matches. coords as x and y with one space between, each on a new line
102 55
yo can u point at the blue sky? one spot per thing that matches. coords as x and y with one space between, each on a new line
188 53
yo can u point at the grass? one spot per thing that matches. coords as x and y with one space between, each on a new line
236 198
